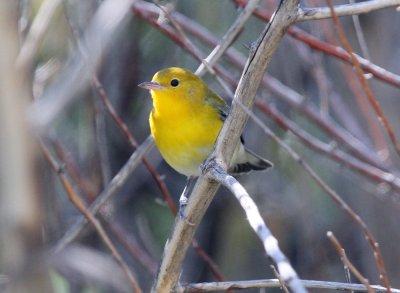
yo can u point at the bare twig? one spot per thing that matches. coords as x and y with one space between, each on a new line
334 196
271 247
81 206
371 98
281 281
346 9
36 32
230 35
360 34
348 263
331 150
116 183
76 75
332 50
274 283
126 240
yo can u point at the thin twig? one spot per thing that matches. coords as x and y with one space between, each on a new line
274 283
36 33
124 238
346 9
360 34
382 118
331 149
347 262
371 98
81 206
230 35
334 51
334 196
76 74
115 185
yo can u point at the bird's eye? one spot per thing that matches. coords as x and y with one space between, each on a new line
174 82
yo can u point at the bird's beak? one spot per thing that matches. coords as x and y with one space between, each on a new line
151 86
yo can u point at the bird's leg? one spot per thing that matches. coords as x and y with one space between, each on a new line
183 200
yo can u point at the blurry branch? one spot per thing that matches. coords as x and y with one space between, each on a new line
76 75
205 188
360 34
116 183
331 149
229 36
81 206
96 84
345 9
367 89
270 243
331 50
126 239
334 196
347 263
20 209
281 281
274 283
36 33
82 264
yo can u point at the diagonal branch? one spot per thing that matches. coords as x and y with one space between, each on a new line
116 183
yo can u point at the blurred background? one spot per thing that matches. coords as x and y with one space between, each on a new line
311 99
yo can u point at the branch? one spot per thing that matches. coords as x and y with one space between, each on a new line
346 9
229 36
205 188
274 283
332 50
116 183
285 269
81 206
36 33
347 263
367 89
76 75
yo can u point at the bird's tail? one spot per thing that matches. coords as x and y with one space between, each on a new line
247 161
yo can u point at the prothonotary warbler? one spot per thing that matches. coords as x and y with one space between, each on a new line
185 121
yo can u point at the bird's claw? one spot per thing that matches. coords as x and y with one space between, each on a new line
183 201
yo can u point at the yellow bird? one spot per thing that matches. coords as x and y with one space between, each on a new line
185 121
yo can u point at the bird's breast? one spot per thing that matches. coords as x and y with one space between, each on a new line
185 139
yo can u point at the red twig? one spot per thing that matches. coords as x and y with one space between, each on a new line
330 150
80 205
371 98
332 50
340 250
374 104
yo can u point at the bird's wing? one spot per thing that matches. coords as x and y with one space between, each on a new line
218 103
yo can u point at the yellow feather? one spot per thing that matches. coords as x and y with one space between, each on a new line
186 120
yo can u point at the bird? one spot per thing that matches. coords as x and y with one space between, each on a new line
185 121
